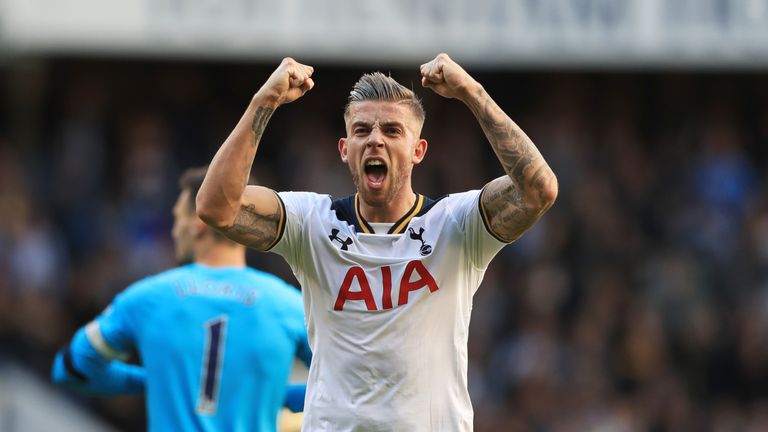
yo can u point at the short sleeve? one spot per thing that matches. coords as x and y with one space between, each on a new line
481 245
297 207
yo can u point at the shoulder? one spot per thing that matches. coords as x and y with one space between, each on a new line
430 204
462 201
345 209
325 207
453 209
450 204
302 199
157 283
457 199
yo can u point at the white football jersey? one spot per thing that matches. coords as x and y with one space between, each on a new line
387 314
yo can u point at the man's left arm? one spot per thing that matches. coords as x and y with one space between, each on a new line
514 202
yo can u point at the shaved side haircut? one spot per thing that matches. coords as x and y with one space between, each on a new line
379 87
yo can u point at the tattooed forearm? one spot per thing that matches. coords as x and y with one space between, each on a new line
518 156
260 120
253 229
516 152
516 159
514 202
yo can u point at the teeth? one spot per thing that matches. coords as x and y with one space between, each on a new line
374 163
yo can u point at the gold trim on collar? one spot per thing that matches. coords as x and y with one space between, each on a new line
399 227
360 220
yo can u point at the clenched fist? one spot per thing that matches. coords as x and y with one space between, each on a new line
446 78
287 83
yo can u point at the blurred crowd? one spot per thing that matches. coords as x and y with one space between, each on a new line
639 303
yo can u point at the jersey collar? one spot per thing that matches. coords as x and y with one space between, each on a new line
348 209
397 227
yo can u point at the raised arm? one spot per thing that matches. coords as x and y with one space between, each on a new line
250 214
514 202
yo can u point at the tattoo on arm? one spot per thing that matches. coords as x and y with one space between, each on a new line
508 214
260 120
253 229
514 149
514 202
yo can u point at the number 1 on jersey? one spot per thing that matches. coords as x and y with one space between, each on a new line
213 357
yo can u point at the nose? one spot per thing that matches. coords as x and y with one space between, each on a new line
375 138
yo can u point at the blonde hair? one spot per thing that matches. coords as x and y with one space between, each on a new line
379 87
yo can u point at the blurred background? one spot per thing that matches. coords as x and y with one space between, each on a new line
639 303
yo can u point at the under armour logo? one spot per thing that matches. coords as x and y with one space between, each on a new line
425 248
344 243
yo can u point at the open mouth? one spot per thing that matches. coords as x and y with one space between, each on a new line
375 172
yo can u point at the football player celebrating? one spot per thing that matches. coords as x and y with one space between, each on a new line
387 274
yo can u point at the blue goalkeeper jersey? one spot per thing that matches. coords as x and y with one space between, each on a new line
217 345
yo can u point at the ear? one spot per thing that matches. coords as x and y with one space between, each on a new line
419 151
343 149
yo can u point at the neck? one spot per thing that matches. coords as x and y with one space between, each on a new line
391 211
220 254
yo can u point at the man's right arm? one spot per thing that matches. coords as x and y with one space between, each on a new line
250 215
83 367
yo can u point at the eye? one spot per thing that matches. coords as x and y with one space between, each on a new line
361 130
392 130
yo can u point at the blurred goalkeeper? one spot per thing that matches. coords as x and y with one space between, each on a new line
387 274
216 339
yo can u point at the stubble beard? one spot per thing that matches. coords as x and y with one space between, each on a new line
397 184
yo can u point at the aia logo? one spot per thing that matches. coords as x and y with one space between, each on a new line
344 243
414 277
425 249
